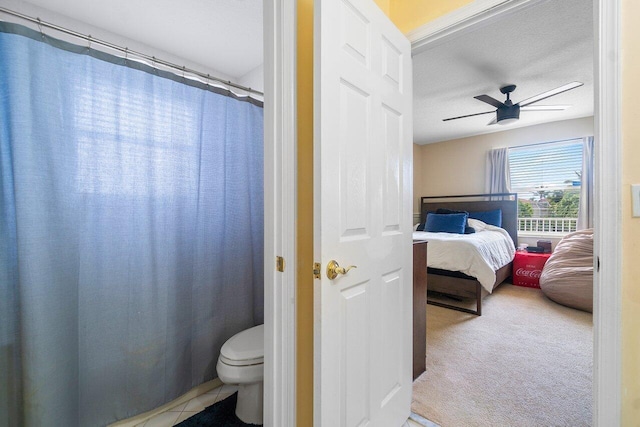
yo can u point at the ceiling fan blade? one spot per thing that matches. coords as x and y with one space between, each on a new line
545 107
468 115
493 122
550 93
489 100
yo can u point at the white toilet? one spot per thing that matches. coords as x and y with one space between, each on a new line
241 363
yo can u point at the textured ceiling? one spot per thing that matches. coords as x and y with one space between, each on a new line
223 35
537 49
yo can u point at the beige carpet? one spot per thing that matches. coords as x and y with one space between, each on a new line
526 361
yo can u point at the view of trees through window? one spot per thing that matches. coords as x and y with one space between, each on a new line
554 204
547 178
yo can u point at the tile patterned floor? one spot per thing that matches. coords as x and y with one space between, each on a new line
416 420
179 413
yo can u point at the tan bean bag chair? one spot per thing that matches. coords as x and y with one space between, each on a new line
567 277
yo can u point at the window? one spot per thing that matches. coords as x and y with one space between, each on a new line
136 139
547 178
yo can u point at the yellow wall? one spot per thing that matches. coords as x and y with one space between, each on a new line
410 14
630 226
304 225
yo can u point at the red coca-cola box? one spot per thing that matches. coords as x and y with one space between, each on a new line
527 268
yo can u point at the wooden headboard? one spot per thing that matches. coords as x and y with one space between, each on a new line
507 202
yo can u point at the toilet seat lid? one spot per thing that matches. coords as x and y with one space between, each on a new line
244 348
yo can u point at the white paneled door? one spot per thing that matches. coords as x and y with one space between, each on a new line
363 216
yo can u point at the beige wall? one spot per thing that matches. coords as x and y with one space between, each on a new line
630 226
458 166
417 177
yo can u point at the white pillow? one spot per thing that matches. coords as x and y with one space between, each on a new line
415 227
477 224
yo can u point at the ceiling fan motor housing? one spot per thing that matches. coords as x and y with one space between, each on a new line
507 89
508 113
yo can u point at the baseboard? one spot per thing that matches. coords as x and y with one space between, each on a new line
194 392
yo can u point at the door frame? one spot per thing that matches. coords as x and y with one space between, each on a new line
280 195
280 177
607 332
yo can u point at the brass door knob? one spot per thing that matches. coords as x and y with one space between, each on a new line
333 269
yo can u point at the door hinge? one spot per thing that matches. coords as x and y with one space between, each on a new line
316 270
597 263
280 264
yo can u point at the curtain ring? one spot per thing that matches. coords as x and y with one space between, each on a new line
126 54
183 70
207 81
153 63
40 27
89 40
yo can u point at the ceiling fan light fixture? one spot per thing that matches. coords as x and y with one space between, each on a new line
508 114
507 121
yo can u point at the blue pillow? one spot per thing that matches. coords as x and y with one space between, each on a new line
422 225
488 217
446 223
467 229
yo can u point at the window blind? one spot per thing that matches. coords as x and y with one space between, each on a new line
545 167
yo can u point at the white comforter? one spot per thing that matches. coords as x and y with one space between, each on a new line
478 255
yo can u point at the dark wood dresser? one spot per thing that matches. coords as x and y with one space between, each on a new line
419 307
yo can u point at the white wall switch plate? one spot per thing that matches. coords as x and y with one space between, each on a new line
635 199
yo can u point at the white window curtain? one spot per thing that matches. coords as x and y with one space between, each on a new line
585 211
497 178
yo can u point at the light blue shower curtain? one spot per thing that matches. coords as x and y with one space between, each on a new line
131 232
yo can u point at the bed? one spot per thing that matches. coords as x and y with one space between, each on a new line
472 280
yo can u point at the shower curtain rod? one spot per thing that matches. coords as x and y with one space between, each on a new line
126 50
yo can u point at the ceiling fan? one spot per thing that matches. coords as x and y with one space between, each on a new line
507 112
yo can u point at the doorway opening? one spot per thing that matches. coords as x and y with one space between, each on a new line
602 315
